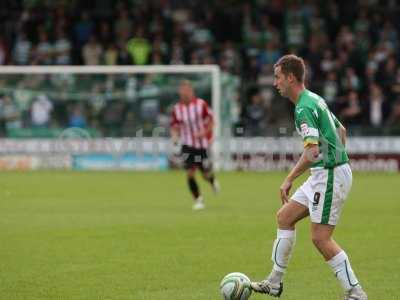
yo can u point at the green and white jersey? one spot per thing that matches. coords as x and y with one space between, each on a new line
318 125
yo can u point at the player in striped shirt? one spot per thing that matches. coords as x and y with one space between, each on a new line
321 197
191 125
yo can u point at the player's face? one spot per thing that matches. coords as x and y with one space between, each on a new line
281 82
186 92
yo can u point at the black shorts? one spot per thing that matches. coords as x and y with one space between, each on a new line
195 158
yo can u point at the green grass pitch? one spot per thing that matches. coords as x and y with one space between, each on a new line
126 235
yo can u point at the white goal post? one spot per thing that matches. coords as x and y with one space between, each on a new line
214 70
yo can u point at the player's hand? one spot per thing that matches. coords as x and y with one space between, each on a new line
176 147
284 189
175 140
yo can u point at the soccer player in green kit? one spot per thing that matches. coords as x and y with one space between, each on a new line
322 195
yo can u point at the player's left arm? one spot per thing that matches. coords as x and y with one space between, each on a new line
343 135
341 129
209 126
208 120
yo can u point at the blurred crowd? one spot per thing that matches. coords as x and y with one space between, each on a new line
351 48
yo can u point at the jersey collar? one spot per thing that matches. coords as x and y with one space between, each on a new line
191 101
301 96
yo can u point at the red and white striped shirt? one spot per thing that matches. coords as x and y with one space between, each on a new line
191 119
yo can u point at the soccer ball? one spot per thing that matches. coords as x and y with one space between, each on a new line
235 286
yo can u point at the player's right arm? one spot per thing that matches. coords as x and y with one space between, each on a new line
174 135
309 156
174 128
307 123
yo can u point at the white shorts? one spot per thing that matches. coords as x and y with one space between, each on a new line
324 193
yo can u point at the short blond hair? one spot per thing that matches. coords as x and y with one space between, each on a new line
186 82
294 64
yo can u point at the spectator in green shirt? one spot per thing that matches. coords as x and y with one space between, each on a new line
139 48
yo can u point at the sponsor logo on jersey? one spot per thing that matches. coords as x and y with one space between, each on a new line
305 131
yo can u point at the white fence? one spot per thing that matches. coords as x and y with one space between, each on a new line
261 154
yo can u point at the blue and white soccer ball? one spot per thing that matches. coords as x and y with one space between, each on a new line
235 286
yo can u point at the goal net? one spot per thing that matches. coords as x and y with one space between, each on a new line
98 102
